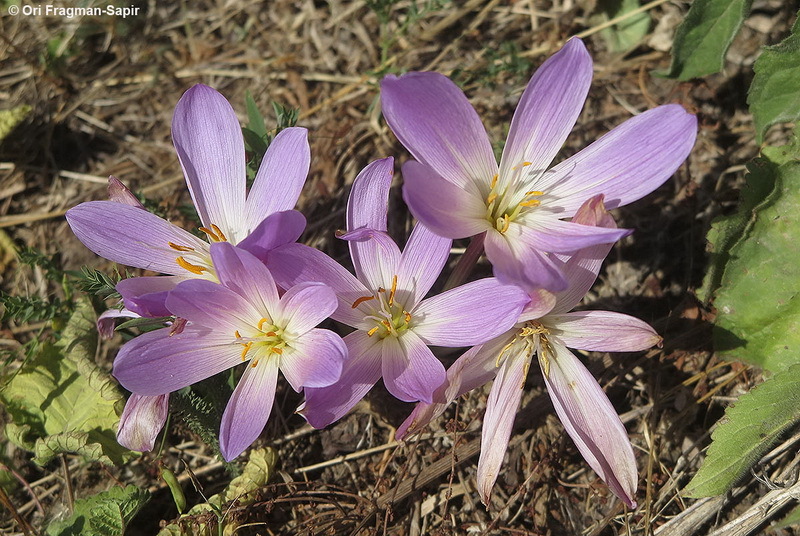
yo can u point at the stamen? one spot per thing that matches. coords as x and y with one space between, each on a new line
222 237
254 363
387 324
407 316
362 300
506 223
544 361
530 203
246 349
186 265
534 192
236 333
278 351
211 234
526 164
179 248
271 334
394 289
494 181
261 323
491 198
371 332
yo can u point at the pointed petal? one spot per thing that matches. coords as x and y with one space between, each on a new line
156 363
548 109
542 302
360 371
592 423
210 147
130 236
376 257
469 314
119 193
314 360
515 263
423 259
106 322
448 210
276 229
248 409
297 263
501 410
602 331
243 273
141 421
433 119
305 305
410 370
369 197
627 163
280 177
557 236
147 295
212 306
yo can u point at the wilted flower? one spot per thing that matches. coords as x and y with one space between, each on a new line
141 421
457 189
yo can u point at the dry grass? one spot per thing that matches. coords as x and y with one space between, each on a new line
102 105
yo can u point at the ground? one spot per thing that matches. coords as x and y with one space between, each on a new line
102 91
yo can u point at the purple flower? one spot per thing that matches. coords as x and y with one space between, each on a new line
457 189
141 421
241 319
394 324
545 329
210 147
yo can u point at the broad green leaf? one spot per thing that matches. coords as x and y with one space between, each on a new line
255 475
774 95
625 35
758 306
255 121
704 36
746 432
60 401
105 514
11 118
792 518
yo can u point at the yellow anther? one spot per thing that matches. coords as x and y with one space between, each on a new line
494 181
362 300
271 334
278 351
246 349
544 361
254 363
179 248
530 203
525 373
503 351
220 234
491 198
534 192
526 164
211 234
237 334
407 316
371 332
506 223
394 289
261 323
387 324
186 265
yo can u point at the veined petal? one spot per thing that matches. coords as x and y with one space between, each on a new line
156 362
369 197
433 119
297 263
314 360
107 321
275 230
210 147
147 295
119 193
627 163
592 423
305 305
602 331
141 421
557 236
280 177
131 236
501 410
243 273
542 302
516 263
248 409
447 209
376 257
421 262
212 305
469 314
548 109
360 371
410 370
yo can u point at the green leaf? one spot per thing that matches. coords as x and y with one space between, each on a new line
792 518
628 33
60 401
746 433
758 306
774 95
105 514
255 121
704 36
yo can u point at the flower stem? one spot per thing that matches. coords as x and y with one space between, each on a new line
466 263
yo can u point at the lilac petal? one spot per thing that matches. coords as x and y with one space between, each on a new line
248 409
305 305
369 196
314 360
553 235
501 410
627 163
448 210
548 109
515 263
275 230
421 263
281 176
473 369
410 370
375 256
156 362
469 314
542 302
360 371
297 263
243 273
131 236
141 421
592 423
147 295
433 119
119 193
210 147
602 331
212 306
106 322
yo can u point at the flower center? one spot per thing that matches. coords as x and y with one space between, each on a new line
199 262
532 336
389 316
505 202
266 340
